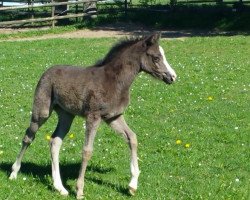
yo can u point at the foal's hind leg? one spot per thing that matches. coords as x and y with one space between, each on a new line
64 122
36 122
40 113
120 126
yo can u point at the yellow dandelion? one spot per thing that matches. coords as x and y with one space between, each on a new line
187 145
48 137
178 142
1 152
71 136
210 98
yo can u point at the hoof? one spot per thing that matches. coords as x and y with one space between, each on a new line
132 191
79 197
64 193
61 190
13 176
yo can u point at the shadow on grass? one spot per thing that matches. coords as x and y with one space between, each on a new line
200 20
68 172
141 30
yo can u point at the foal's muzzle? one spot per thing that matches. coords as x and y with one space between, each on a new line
169 78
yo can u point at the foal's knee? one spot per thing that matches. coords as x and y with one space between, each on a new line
87 154
133 141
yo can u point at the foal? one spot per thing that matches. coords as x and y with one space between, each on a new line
99 92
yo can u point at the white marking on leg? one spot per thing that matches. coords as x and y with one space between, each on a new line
121 127
15 168
17 165
57 182
169 68
135 174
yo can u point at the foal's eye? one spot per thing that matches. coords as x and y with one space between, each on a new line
156 59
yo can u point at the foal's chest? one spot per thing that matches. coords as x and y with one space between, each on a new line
115 105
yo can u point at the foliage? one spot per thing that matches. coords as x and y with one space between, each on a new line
173 3
193 135
147 2
195 18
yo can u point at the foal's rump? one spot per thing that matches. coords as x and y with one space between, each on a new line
42 98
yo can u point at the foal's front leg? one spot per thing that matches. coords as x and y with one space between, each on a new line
92 123
121 127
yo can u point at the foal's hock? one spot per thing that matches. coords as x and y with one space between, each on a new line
99 92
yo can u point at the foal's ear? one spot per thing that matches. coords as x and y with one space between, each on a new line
152 39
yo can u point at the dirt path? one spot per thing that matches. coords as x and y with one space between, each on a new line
84 33
114 30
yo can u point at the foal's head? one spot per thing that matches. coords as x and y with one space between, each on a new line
153 60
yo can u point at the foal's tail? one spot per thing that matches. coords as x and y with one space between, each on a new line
42 105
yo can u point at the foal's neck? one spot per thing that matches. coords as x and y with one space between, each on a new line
123 71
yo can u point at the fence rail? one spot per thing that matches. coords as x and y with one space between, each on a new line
41 19
46 5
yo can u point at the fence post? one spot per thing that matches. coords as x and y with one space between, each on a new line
76 11
126 9
53 14
90 9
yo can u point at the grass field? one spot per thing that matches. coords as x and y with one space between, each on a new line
207 108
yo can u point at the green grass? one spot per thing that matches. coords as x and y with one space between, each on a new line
37 32
216 166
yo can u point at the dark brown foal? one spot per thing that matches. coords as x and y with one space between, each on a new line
99 92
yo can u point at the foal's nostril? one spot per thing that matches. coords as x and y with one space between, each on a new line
173 77
169 77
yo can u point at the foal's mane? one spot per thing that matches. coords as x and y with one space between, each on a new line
116 49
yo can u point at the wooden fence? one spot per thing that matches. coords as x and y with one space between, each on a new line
55 3
52 18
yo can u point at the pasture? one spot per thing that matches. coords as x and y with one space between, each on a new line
193 135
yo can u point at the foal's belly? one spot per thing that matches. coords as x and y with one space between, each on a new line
84 106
